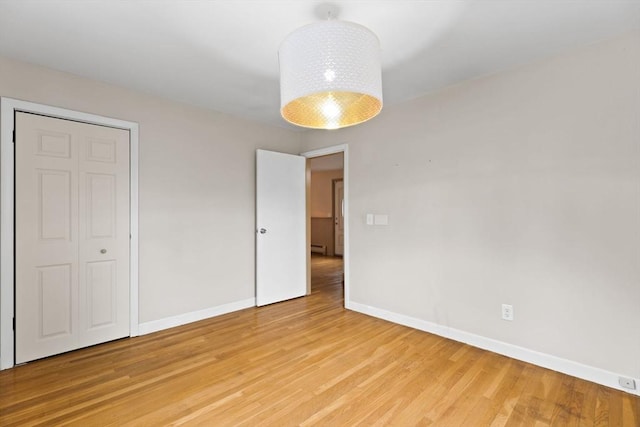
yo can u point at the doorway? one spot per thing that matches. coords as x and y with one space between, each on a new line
8 110
327 216
278 183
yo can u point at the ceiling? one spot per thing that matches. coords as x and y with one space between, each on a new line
223 55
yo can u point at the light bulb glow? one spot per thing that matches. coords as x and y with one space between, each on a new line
330 109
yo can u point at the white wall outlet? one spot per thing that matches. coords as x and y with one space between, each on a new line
507 312
627 383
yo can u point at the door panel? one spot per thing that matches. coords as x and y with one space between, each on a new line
52 144
101 208
101 150
72 208
281 214
55 286
54 204
101 294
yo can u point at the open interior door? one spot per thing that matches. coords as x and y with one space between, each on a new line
281 270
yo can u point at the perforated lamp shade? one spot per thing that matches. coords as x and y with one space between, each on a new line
330 75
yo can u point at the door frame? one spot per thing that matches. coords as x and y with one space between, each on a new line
8 106
334 211
344 149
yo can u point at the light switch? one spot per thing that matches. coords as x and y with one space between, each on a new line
381 219
369 219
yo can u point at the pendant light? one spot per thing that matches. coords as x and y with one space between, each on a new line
330 75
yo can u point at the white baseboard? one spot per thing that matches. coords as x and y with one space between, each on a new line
575 369
194 316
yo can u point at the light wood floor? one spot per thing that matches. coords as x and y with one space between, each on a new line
301 362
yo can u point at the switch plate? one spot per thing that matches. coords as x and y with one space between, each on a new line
507 312
369 219
381 219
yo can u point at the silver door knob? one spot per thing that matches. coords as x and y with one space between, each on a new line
103 251
262 231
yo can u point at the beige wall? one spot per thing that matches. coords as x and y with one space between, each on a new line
322 192
322 233
522 187
196 185
322 207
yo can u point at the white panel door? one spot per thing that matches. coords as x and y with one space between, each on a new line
104 234
281 271
338 217
72 235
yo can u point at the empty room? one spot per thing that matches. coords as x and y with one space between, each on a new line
283 213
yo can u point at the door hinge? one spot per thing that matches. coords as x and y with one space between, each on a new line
14 136
14 324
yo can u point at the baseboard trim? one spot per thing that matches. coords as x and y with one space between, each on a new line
194 316
575 369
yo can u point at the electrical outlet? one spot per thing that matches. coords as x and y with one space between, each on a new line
627 383
507 312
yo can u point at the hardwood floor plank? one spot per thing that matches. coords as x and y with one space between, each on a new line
306 361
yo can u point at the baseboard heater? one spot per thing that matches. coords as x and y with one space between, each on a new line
319 249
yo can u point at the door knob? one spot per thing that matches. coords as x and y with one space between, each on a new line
103 251
262 231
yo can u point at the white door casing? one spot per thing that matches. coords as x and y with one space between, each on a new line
72 235
281 259
338 217
8 109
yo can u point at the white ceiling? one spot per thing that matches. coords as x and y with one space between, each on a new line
223 55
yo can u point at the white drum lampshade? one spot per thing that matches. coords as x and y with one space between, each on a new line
330 75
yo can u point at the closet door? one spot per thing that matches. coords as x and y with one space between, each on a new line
72 235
